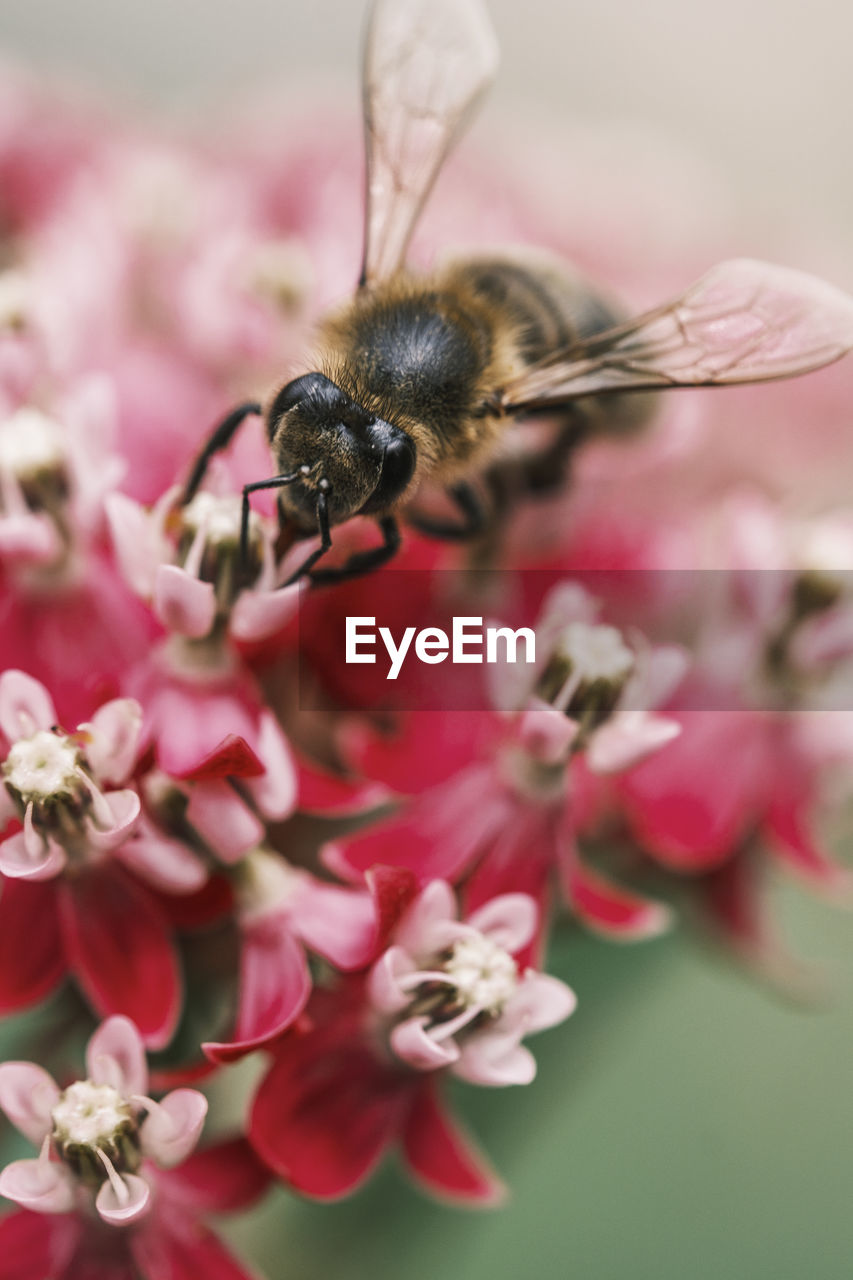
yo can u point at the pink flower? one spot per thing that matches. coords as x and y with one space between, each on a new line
192 574
363 1074
282 912
98 920
454 991
105 1196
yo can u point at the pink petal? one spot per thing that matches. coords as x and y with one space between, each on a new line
173 1126
119 947
29 537
546 733
220 1178
539 1002
259 614
443 1158
114 739
17 861
116 1056
411 1042
510 921
423 930
118 816
120 1211
32 961
274 792
27 1095
184 604
325 1114
34 1246
274 987
627 738
25 706
194 723
339 924
790 829
39 1185
223 820
495 1062
135 540
167 865
386 993
393 890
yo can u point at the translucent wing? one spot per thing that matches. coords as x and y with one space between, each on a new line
745 321
426 65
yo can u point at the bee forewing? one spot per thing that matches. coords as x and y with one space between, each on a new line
744 321
426 65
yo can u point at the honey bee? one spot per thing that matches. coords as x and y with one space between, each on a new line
420 377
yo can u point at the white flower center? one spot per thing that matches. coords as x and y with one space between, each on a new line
30 442
47 764
91 1115
595 652
218 516
483 973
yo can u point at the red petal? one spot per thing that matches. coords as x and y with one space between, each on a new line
36 1245
219 1179
325 1114
788 827
442 1157
393 889
274 988
32 962
178 1249
233 758
120 950
606 907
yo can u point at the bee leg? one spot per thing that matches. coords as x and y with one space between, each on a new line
275 482
543 471
365 561
474 518
219 440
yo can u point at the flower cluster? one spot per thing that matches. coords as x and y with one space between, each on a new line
218 839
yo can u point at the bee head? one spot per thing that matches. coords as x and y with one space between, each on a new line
317 431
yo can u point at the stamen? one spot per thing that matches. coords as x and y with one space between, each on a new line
118 1184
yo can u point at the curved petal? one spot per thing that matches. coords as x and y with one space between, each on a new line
33 1245
183 603
274 987
259 614
113 734
119 947
27 1095
115 1056
609 909
135 542
510 920
627 738
166 864
25 706
489 1061
39 1185
32 961
443 1158
339 924
325 1114
123 1203
386 993
424 928
221 1178
274 791
538 1002
173 1126
410 1041
181 1251
124 808
18 863
223 820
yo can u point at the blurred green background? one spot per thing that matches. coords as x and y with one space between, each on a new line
685 1125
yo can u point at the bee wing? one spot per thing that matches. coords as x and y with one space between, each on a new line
744 321
426 65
